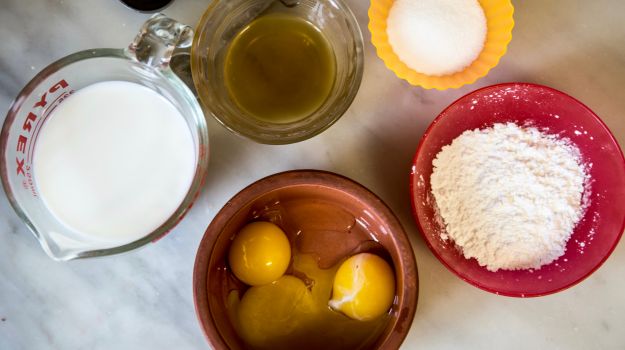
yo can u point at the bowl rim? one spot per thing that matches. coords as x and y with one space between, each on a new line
299 177
412 188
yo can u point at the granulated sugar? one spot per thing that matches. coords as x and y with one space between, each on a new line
436 37
509 196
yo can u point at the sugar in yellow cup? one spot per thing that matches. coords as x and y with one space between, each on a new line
499 22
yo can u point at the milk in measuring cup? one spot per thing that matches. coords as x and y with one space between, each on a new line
114 161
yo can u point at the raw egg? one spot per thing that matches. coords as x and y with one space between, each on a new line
293 313
364 287
275 312
260 253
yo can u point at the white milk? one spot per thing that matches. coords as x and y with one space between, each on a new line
114 161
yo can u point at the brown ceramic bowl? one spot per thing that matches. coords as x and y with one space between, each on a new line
210 275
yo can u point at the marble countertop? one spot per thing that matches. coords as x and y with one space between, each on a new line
143 299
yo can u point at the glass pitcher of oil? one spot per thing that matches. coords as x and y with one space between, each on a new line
274 71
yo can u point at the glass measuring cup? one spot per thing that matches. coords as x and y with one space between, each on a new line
221 23
146 61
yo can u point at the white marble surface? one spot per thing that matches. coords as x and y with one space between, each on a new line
143 299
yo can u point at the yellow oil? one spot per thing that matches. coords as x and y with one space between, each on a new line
279 68
293 313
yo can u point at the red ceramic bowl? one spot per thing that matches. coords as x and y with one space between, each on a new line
594 237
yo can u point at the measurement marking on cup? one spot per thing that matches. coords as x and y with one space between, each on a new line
30 182
26 137
41 121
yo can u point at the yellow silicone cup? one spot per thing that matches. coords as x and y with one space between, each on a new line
499 22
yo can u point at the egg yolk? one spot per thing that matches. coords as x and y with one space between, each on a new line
260 253
293 313
274 312
364 287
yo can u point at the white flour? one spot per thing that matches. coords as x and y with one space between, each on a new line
509 196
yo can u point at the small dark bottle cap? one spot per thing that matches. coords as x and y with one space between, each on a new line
146 5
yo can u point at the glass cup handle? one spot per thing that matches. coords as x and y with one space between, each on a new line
157 39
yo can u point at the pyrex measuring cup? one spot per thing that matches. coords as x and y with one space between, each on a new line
145 62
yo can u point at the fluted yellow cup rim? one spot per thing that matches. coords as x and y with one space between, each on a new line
499 22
